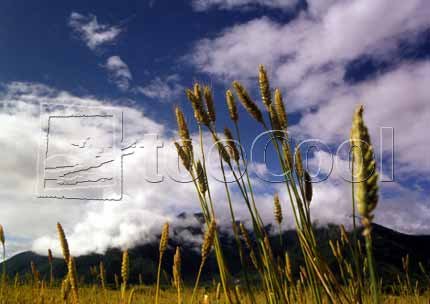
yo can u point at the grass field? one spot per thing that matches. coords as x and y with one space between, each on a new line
353 280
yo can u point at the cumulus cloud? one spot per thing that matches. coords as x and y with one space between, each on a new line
91 32
202 5
308 58
163 89
94 226
119 72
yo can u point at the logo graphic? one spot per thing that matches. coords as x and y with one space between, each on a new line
80 155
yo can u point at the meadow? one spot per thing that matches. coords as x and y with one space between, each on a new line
266 276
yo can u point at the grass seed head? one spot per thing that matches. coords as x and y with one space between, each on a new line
63 242
73 278
125 267
276 126
264 86
197 92
208 240
221 148
231 105
298 163
247 102
197 104
231 145
288 269
177 268
65 289
201 178
164 238
367 177
207 92
280 110
183 156
277 209
184 133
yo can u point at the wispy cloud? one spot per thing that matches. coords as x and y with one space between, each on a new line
93 33
119 72
202 5
162 89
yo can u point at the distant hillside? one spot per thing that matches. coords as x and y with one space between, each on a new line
390 246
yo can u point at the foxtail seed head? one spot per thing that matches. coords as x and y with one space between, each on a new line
208 240
199 112
280 110
298 163
183 156
2 238
247 102
125 266
177 268
231 146
287 155
276 126
65 289
164 238
248 243
198 92
207 92
367 177
264 86
73 278
201 178
231 105
184 133
63 242
277 209
221 148
268 246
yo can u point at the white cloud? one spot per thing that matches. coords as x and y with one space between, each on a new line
119 72
94 226
202 5
317 42
308 58
93 33
162 89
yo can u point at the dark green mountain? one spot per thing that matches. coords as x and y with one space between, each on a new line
389 247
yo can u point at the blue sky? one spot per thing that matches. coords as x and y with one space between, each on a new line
139 56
